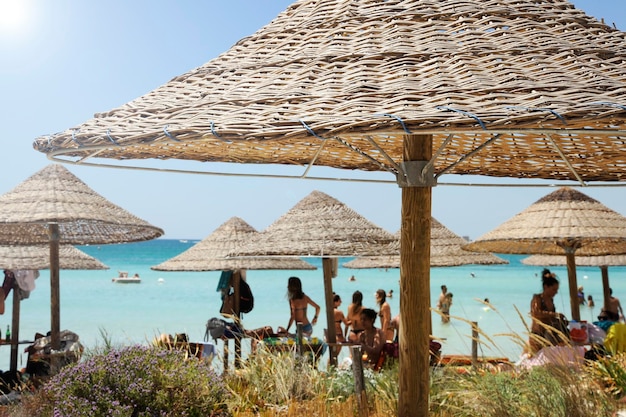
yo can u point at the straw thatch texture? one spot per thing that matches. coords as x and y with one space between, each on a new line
359 72
210 253
55 195
320 226
554 260
38 257
563 218
445 250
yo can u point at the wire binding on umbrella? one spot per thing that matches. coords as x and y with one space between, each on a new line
111 138
536 109
214 133
74 137
310 130
169 135
399 119
466 113
607 103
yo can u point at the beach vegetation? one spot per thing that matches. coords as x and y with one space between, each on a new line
132 381
148 381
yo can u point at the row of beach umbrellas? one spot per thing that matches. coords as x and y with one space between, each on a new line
321 226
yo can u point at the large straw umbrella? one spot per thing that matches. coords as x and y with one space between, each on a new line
33 258
603 262
55 207
564 222
445 250
418 89
210 254
323 227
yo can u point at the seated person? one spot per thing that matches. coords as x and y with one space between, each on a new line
371 338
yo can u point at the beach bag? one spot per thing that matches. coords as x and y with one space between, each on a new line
215 328
246 300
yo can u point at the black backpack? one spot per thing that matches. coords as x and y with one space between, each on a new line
246 299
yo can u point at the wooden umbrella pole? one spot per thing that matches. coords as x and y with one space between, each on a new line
331 335
415 283
15 326
606 289
236 306
55 293
573 284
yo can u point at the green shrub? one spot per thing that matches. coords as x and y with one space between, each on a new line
134 381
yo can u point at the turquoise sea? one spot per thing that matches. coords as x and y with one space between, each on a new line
176 302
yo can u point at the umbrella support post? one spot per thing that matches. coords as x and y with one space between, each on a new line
55 293
474 344
573 284
604 270
15 326
414 387
329 267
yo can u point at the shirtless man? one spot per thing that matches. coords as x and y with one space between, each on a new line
615 308
442 297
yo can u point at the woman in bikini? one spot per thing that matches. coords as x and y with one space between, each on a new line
384 314
340 319
298 303
544 314
371 338
354 317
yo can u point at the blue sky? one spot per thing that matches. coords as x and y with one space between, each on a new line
65 60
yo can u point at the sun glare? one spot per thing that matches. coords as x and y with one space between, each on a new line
14 16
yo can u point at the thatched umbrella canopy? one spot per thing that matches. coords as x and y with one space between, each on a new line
210 254
603 262
445 250
565 222
55 207
321 226
38 257
419 88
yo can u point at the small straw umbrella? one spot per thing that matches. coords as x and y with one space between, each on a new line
321 226
445 250
210 254
564 222
55 207
603 262
38 257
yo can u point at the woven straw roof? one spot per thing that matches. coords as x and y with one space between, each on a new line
38 257
445 250
524 88
210 253
321 226
554 260
563 218
55 195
